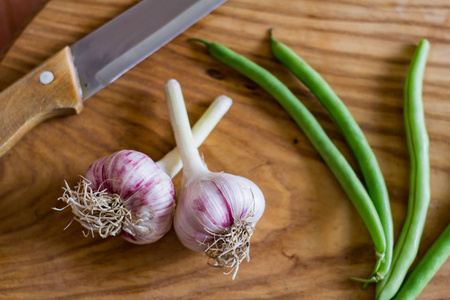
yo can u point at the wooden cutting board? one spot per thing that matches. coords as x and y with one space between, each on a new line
310 240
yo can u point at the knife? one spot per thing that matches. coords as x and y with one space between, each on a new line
60 85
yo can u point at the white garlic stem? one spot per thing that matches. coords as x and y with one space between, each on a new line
171 162
193 166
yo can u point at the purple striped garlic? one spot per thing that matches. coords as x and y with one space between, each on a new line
125 193
216 212
130 195
146 192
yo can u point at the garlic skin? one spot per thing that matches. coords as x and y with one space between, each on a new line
145 190
212 204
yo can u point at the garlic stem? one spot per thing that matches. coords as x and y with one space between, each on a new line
171 162
192 163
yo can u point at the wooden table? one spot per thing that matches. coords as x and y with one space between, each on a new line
310 240
14 15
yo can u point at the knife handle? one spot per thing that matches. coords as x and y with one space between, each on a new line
37 97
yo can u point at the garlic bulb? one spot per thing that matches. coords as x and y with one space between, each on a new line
127 193
216 212
124 193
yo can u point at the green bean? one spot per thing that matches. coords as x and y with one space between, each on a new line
401 239
315 133
405 250
427 267
355 138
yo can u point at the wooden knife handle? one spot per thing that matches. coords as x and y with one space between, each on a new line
34 99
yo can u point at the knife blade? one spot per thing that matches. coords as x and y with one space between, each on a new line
60 85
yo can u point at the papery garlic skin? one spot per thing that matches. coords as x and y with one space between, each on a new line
214 203
146 191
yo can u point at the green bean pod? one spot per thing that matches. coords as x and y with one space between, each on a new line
315 133
355 138
427 267
407 246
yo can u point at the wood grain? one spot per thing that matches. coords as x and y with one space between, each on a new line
310 240
14 15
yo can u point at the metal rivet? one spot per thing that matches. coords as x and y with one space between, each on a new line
46 77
